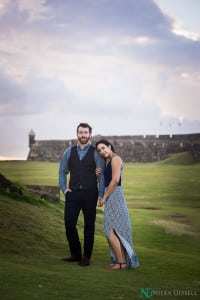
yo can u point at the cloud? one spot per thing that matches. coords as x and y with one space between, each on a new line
26 98
117 64
33 9
180 96
177 29
4 6
36 9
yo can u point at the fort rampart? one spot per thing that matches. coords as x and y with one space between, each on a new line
135 148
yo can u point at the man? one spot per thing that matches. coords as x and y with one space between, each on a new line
82 193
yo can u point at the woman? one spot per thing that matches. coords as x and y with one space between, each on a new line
117 226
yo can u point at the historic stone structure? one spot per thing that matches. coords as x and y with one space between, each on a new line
131 148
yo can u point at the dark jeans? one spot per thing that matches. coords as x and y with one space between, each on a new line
75 201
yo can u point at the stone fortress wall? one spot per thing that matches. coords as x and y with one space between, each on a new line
135 148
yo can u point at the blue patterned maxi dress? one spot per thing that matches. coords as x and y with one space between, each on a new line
116 217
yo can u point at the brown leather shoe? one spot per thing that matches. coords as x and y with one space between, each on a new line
72 258
84 262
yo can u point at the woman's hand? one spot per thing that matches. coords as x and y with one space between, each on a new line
101 201
97 171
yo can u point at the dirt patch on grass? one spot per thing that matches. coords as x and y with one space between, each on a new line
173 227
150 208
179 218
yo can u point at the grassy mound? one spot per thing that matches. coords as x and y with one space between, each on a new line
184 158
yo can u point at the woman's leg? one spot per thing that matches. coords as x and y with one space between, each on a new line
118 250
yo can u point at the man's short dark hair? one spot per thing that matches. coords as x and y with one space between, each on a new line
84 125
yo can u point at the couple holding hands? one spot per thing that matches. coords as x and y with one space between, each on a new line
95 180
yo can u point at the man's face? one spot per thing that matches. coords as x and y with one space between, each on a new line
83 135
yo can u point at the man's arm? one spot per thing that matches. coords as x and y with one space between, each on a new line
64 169
100 163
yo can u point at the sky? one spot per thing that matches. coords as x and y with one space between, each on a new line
127 67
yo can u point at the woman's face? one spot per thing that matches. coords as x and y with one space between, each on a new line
104 151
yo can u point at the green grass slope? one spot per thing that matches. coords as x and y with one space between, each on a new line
184 158
163 202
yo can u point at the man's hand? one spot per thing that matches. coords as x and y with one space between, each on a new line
66 191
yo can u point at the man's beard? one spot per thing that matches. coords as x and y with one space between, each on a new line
83 141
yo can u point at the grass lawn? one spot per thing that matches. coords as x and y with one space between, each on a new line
163 200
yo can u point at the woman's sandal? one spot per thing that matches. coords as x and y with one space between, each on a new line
117 266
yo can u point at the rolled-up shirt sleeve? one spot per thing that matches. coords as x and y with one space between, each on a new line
100 163
64 169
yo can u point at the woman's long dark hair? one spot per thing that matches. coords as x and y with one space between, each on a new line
105 142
